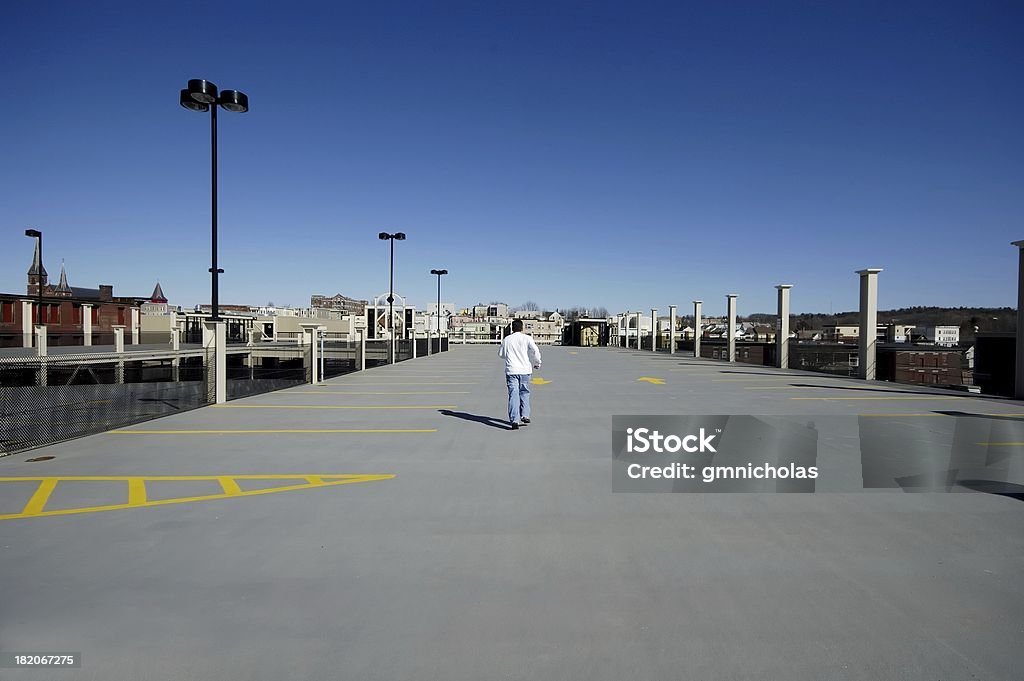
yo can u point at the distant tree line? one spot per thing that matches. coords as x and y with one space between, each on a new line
573 313
968 319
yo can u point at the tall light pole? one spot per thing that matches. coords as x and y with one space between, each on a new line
201 96
384 236
36 234
439 274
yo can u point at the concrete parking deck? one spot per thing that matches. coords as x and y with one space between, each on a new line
494 553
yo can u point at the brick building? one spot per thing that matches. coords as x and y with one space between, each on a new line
72 315
347 305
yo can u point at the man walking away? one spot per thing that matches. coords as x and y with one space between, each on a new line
521 357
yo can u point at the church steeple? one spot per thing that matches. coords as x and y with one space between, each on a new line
158 295
63 290
37 273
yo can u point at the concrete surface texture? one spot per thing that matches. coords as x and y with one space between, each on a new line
494 553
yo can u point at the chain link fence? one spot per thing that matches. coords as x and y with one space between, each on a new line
49 400
254 374
340 357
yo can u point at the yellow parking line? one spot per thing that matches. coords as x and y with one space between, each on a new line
900 415
785 387
418 376
755 378
697 370
271 431
847 399
136 491
352 392
941 414
41 496
307 482
388 385
229 486
334 406
180 478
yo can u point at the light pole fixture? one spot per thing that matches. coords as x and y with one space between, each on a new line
36 234
439 274
202 96
399 236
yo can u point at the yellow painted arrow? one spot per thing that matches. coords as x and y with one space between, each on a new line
537 380
655 381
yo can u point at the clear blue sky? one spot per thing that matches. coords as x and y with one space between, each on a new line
629 155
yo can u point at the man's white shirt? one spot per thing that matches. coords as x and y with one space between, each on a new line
520 353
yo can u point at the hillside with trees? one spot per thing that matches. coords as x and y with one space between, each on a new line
968 319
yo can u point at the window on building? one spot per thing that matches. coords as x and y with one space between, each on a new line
51 313
76 313
95 315
8 313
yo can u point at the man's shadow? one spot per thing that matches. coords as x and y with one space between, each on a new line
486 420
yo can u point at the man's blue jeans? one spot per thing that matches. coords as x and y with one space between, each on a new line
518 396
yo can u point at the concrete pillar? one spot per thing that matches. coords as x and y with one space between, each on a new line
119 348
696 327
26 323
782 331
414 342
391 342
637 330
868 322
309 335
730 306
1018 389
215 344
252 338
314 357
671 329
176 346
86 324
41 349
362 349
654 329
136 324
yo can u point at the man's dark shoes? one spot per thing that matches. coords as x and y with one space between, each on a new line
515 426
525 421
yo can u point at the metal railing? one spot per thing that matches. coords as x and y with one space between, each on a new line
65 395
